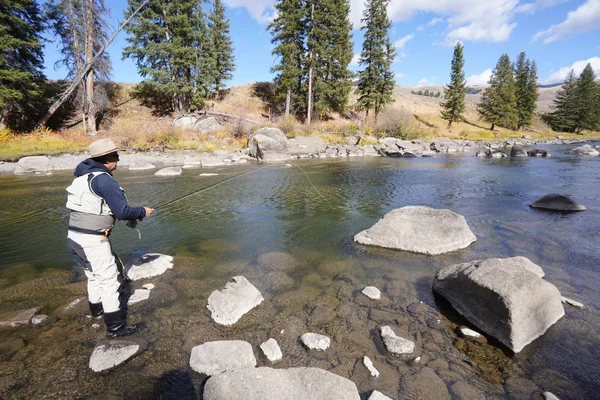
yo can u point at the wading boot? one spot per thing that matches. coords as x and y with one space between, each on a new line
123 331
96 309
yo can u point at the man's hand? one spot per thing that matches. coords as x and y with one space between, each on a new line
149 212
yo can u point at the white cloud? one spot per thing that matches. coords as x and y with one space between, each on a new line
481 79
400 75
423 82
433 22
355 59
261 10
585 19
577 67
399 44
530 8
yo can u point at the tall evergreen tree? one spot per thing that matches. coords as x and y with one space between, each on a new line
329 40
587 96
521 71
533 94
21 59
563 118
168 40
454 107
220 57
498 104
289 37
376 82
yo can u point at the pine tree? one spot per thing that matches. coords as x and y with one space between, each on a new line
521 71
329 41
21 58
533 94
455 91
376 79
564 116
289 36
220 57
169 42
498 104
586 105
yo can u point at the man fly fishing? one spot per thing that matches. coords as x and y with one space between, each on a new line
96 201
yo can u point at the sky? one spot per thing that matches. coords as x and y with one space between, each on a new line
559 35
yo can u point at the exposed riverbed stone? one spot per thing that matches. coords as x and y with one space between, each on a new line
395 344
537 153
33 164
375 395
425 384
557 202
585 150
419 229
469 333
169 171
139 295
267 140
148 266
141 166
518 151
506 298
573 303
213 358
314 341
372 292
280 384
230 304
271 350
39 319
369 364
17 318
111 354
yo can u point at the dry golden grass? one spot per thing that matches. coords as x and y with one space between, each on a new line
40 142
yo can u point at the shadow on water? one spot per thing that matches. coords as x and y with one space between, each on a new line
175 385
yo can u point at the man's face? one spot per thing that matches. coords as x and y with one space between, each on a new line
111 161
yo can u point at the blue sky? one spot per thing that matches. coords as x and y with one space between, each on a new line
557 34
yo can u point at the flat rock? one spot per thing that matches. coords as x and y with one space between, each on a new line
33 164
169 171
395 344
419 229
230 304
571 302
212 161
585 150
17 318
280 384
208 174
141 167
111 354
549 396
369 364
213 358
314 341
469 333
557 202
271 350
425 384
506 298
372 292
39 319
207 125
139 295
148 266
375 395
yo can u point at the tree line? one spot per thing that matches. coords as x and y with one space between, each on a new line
427 93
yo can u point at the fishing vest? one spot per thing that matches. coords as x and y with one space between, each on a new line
81 197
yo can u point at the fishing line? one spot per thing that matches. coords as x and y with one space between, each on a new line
311 184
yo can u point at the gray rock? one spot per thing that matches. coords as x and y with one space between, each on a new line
375 395
111 354
518 151
557 202
169 171
207 125
585 150
148 266
573 303
549 396
372 292
396 344
39 319
17 318
33 164
370 151
274 156
419 229
141 166
212 161
271 350
213 358
469 333
537 153
139 295
315 341
503 297
267 140
230 304
306 145
185 122
353 140
369 364
280 384
464 391
425 384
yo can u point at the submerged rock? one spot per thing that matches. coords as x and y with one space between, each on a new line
369 364
230 304
279 384
17 318
585 150
213 358
425 384
557 202
419 229
109 355
139 295
169 171
315 341
271 350
372 292
506 298
396 344
537 153
148 266
573 303
375 395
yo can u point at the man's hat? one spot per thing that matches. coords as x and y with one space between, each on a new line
102 147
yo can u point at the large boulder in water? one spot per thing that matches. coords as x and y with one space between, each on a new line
506 298
267 140
419 229
557 202
585 150
518 151
279 384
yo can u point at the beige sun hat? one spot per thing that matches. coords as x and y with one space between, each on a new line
102 147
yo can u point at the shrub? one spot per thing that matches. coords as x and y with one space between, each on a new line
397 124
289 126
6 134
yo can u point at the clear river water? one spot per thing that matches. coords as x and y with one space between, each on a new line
289 231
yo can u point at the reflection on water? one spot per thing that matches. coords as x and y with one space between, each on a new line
294 241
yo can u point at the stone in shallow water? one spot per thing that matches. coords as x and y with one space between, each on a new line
17 318
149 265
141 167
557 202
375 395
572 302
33 164
419 229
230 304
139 295
585 150
109 355
372 292
213 358
39 319
469 333
280 384
506 298
208 174
169 171
369 364
315 341
271 350
396 344
549 396
425 384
